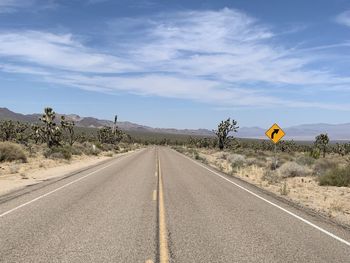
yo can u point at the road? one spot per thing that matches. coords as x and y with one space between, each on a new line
156 205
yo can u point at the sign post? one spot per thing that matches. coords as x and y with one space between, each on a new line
275 134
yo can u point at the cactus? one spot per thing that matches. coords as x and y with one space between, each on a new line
224 128
14 131
7 130
49 131
21 133
108 135
321 142
68 127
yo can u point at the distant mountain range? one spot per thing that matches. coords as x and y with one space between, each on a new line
6 114
301 132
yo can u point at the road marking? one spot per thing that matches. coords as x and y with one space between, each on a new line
59 188
149 261
156 174
163 236
273 204
154 195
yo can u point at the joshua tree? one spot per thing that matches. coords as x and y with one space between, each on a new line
108 135
340 149
68 126
224 128
7 130
35 135
21 133
321 142
49 131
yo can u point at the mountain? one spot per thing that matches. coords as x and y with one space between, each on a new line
6 114
302 132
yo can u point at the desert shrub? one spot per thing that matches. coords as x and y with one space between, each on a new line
255 161
196 156
322 166
336 177
58 153
90 149
223 156
275 163
193 153
271 177
236 160
284 189
179 149
107 147
315 153
76 151
285 157
305 160
11 152
202 159
292 169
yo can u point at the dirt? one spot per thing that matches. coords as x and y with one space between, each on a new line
14 176
330 201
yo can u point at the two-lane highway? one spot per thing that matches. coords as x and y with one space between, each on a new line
156 205
108 216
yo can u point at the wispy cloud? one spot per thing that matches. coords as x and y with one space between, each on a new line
344 18
9 6
219 57
57 52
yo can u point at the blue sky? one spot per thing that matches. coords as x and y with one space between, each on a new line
182 64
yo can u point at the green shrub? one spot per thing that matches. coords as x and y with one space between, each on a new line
58 153
336 177
315 153
196 155
11 152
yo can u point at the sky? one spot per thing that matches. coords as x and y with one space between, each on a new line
181 64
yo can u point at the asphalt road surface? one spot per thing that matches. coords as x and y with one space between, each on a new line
156 205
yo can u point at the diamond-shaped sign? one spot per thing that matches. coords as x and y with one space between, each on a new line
275 133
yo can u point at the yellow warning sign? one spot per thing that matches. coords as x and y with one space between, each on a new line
275 133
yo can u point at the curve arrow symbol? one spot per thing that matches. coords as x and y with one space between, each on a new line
275 131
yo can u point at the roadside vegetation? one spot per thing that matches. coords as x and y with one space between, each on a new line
313 174
57 140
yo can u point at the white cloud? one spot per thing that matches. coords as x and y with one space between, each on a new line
10 6
58 52
7 6
344 18
219 57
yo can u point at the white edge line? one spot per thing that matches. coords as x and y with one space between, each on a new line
271 203
59 188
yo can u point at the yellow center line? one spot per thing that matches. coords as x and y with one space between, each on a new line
163 236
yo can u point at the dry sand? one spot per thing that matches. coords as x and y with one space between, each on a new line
331 201
14 176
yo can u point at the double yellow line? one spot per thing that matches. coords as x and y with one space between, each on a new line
162 230
163 233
